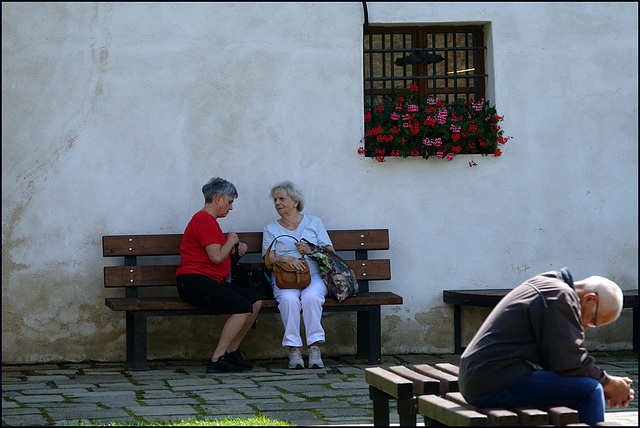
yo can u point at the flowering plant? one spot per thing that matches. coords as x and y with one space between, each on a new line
414 125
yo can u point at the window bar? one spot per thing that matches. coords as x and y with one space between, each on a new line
455 67
371 73
392 54
433 42
474 54
466 60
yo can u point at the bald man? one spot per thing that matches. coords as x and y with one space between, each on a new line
529 351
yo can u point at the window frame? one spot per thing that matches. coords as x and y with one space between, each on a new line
419 73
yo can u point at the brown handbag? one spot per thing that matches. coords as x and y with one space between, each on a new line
287 276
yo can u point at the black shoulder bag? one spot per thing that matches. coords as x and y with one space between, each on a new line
250 276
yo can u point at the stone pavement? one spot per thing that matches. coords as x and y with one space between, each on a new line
100 393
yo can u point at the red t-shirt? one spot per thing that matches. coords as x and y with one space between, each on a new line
202 230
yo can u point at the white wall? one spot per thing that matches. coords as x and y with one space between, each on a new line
115 114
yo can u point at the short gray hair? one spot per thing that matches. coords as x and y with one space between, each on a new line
292 190
611 298
218 186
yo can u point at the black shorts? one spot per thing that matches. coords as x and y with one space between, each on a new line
217 297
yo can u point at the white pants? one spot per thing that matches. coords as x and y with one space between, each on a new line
308 300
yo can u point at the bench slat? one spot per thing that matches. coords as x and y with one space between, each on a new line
165 275
421 384
449 413
448 368
169 244
448 382
562 415
392 384
496 417
176 303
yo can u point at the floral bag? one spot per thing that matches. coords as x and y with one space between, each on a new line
337 275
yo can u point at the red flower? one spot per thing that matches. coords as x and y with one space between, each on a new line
379 109
497 152
456 149
455 137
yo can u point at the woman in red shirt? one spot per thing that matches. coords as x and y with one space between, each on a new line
203 271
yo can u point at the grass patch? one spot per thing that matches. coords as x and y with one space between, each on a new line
258 420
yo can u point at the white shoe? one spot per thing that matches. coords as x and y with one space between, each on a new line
315 361
295 359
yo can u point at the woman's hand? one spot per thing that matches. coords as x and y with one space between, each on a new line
293 262
303 248
242 249
232 238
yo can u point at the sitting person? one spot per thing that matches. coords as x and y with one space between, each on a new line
529 351
289 203
203 271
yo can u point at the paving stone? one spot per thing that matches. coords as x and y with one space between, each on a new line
192 382
328 403
162 410
45 379
169 401
31 399
20 411
71 414
166 393
22 386
231 408
9 405
220 395
25 420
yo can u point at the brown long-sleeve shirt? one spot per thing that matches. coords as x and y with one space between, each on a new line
537 324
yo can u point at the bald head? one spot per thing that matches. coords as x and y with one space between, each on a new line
610 297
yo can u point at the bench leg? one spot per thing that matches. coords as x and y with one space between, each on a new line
457 330
407 412
380 407
635 330
137 340
369 335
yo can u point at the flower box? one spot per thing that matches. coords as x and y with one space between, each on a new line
417 126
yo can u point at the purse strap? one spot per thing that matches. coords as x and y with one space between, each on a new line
267 260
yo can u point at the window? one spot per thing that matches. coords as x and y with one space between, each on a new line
445 62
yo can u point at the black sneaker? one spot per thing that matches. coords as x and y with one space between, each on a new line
236 359
223 366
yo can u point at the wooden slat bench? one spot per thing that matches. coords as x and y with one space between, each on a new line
136 272
490 298
432 392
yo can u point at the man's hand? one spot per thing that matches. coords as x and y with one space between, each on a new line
618 393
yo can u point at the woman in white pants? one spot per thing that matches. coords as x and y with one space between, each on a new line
289 202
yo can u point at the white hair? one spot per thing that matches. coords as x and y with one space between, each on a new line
609 294
292 190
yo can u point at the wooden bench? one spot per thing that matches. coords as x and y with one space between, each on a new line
432 392
141 269
490 298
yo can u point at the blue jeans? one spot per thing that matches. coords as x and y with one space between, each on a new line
544 388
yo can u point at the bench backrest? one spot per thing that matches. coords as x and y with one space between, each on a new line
131 247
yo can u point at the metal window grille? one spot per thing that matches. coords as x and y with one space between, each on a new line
392 63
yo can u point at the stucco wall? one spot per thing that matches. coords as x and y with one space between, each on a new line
114 115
